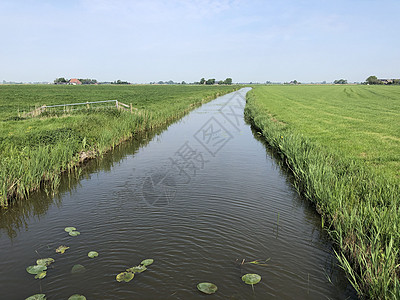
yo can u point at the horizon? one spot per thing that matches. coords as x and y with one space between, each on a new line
168 82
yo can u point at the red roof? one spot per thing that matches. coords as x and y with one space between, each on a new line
74 80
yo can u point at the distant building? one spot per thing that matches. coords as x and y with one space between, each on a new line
74 81
386 81
389 81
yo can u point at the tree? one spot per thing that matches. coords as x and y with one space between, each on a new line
210 81
183 82
87 81
340 81
202 81
60 80
373 80
120 82
228 81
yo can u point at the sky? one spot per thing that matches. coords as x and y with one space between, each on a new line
152 40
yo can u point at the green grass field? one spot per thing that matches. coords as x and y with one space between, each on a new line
35 150
342 145
361 122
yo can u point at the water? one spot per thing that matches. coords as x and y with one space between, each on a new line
199 198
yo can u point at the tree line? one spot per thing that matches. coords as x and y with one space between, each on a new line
212 81
374 80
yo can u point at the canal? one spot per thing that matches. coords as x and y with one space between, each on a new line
204 198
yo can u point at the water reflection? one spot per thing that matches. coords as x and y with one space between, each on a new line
18 216
318 237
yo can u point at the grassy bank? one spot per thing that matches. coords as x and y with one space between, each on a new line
341 143
37 150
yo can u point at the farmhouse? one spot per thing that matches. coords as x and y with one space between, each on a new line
386 81
74 81
389 81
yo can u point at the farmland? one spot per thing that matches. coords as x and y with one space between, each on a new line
38 149
342 145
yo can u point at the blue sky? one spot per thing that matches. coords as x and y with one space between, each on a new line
143 41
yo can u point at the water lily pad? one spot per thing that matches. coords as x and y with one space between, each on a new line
45 261
125 276
147 262
78 269
41 275
137 269
36 269
74 233
251 278
207 288
93 254
37 297
69 229
77 297
61 249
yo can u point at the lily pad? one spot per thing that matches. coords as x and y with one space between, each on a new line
36 269
78 269
137 269
207 288
251 278
45 261
77 297
147 262
74 233
125 276
69 229
61 249
93 254
41 275
37 297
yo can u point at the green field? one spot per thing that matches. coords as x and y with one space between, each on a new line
35 150
342 144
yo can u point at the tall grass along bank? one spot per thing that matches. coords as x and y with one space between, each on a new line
341 143
36 150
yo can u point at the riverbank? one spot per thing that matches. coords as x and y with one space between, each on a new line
36 150
352 181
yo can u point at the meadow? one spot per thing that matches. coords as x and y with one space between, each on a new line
36 150
342 145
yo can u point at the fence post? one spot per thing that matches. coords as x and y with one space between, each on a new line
87 105
131 109
116 104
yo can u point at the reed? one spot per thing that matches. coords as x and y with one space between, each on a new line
358 202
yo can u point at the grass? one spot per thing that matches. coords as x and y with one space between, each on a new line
35 151
342 145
